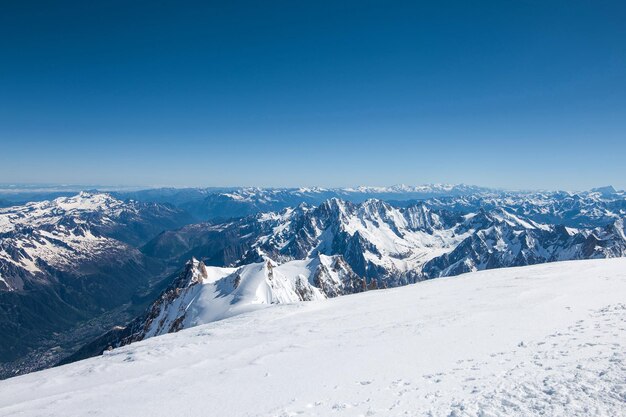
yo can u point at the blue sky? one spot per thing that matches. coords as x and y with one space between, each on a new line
526 94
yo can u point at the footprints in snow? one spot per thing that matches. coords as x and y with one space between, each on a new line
578 371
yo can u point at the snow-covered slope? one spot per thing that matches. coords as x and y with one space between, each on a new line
64 233
204 294
545 340
202 299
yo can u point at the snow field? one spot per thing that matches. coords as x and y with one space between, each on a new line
541 340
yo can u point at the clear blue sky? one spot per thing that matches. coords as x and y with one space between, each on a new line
522 94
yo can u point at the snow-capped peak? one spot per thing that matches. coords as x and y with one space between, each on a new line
204 294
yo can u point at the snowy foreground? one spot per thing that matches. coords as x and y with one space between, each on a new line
542 340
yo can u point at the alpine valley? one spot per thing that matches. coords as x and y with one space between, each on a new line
83 274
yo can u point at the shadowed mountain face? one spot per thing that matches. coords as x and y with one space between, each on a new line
68 267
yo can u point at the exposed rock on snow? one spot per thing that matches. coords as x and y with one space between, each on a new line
399 245
204 294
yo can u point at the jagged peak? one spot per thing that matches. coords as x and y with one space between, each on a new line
303 207
617 227
502 215
195 272
375 203
269 263
337 206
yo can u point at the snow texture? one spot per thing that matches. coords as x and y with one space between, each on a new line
544 340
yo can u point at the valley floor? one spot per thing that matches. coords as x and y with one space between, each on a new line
542 340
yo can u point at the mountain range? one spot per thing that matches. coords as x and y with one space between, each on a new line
73 261
93 271
338 248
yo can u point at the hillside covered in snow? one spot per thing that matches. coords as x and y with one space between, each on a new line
537 340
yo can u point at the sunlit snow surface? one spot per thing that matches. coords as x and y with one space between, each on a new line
541 340
44 235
